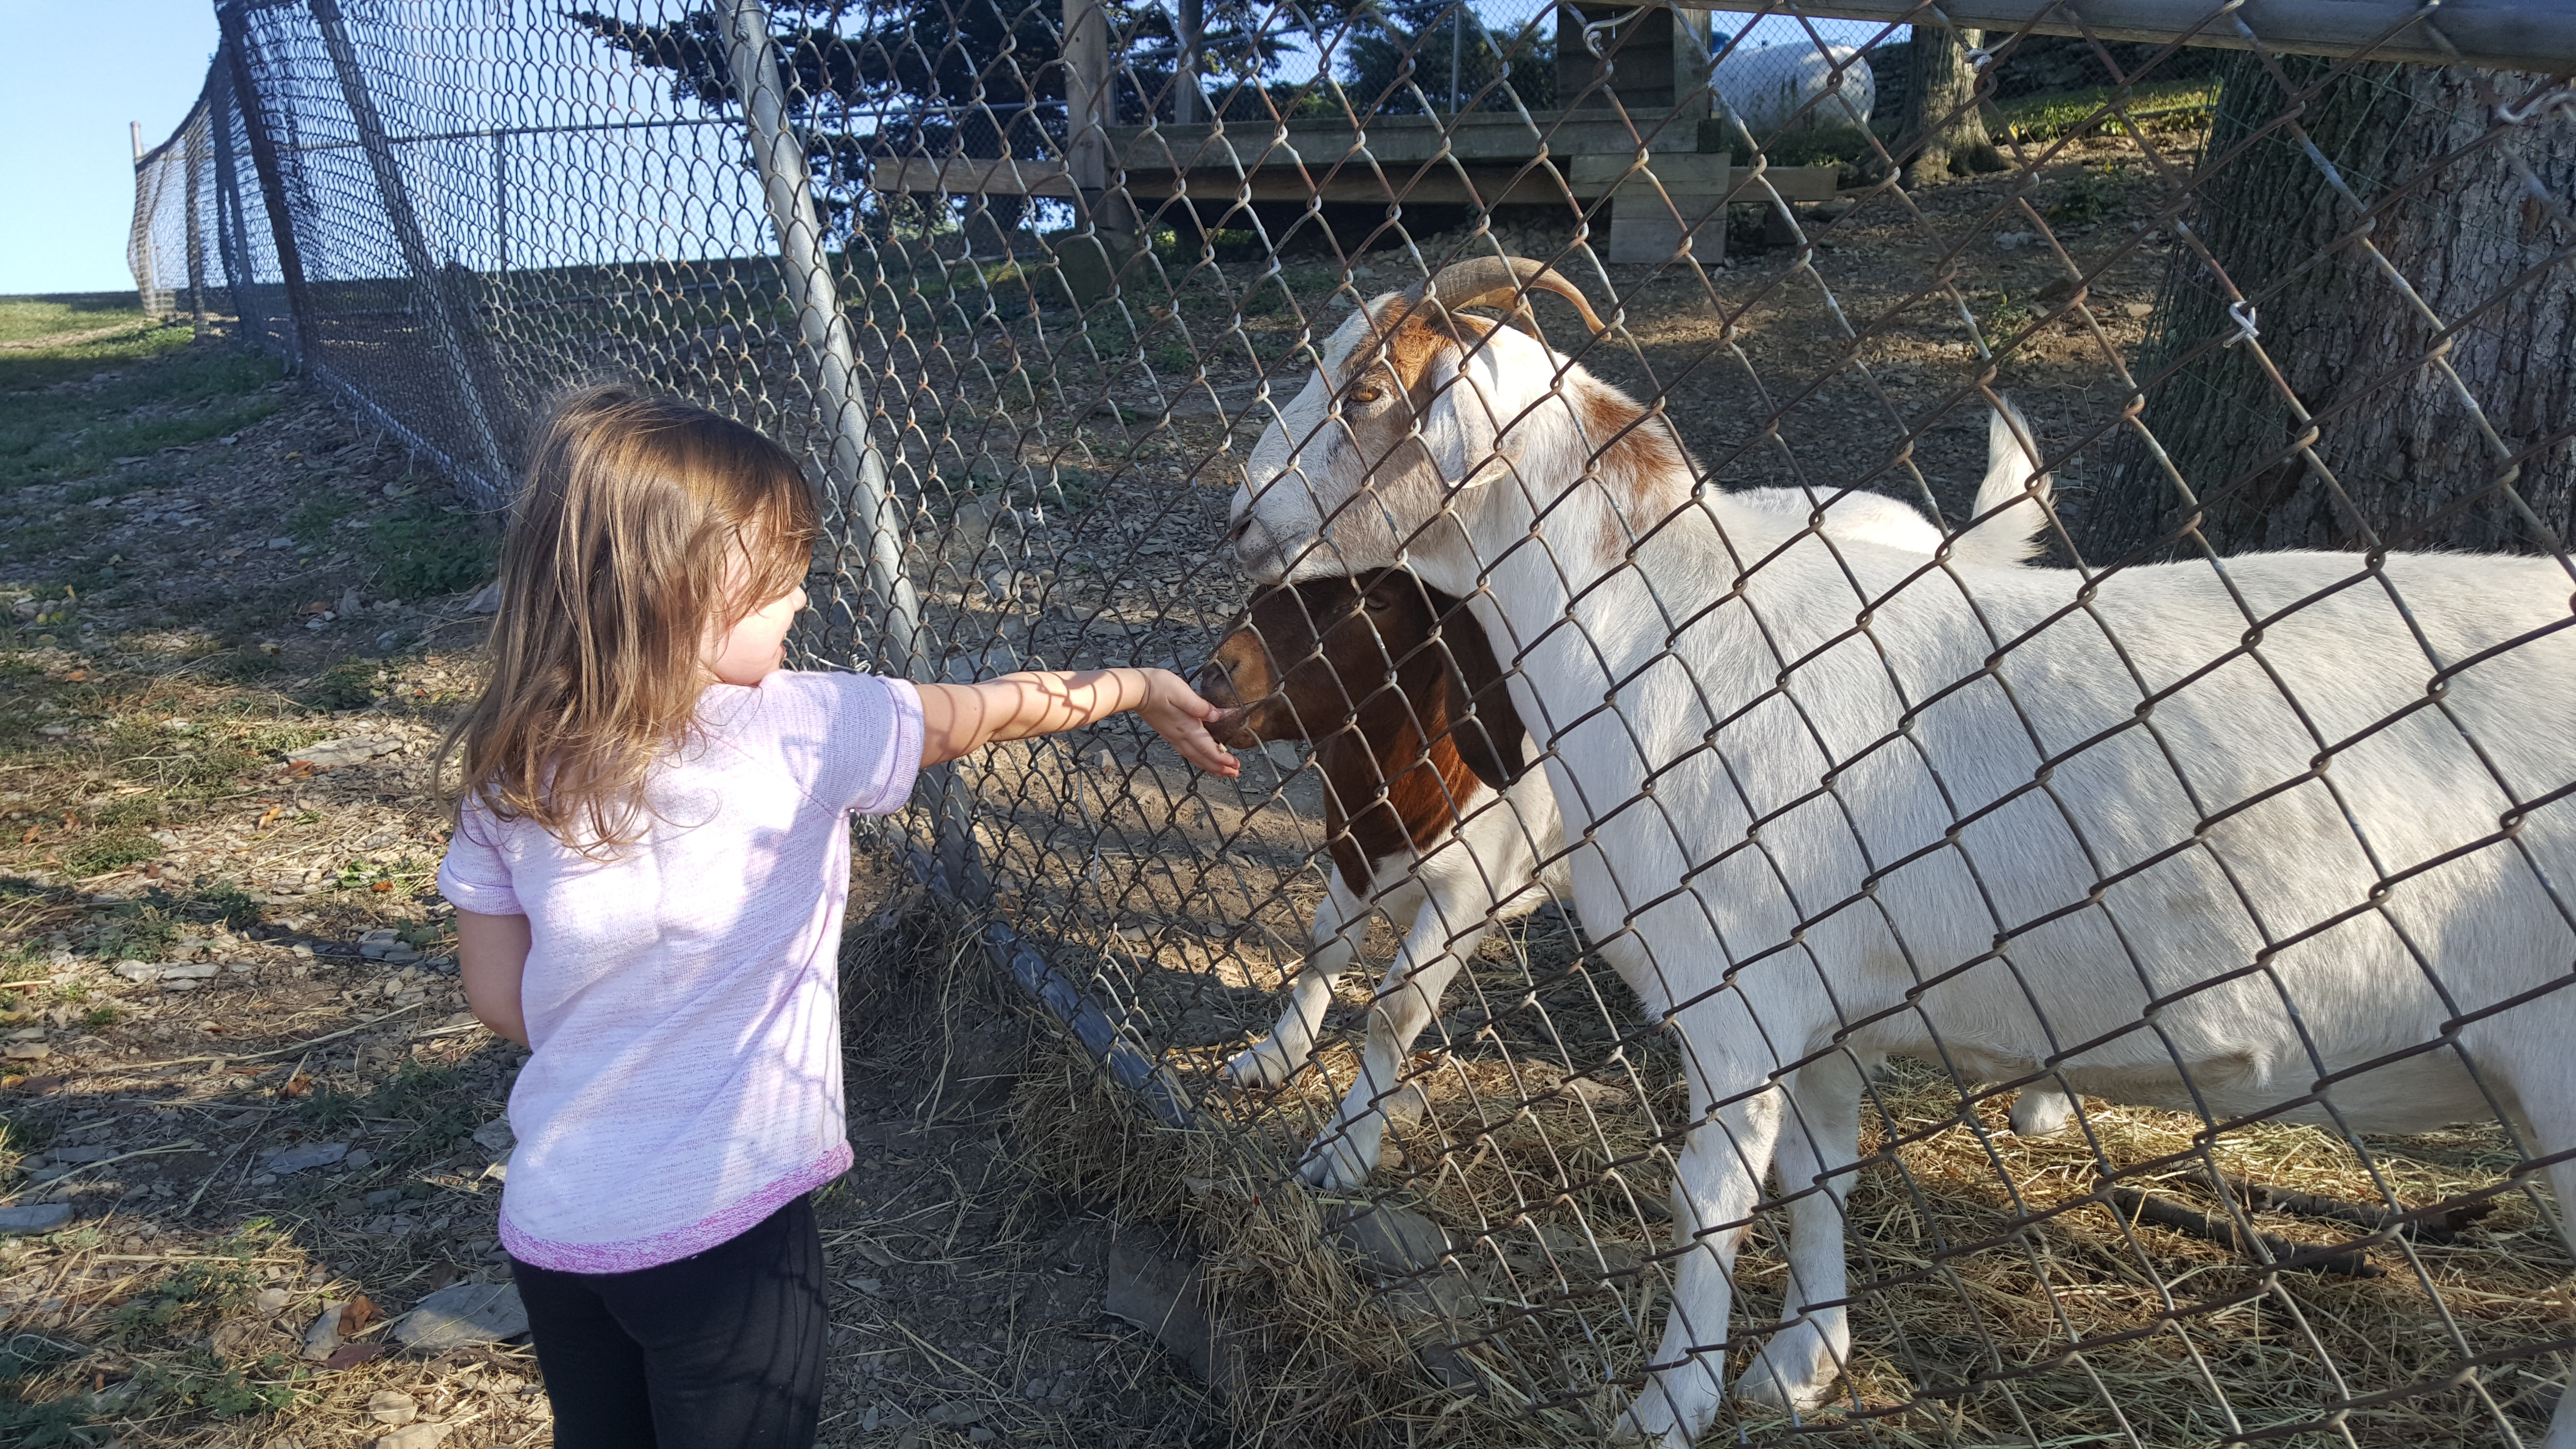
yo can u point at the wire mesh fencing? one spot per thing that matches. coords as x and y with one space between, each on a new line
1906 727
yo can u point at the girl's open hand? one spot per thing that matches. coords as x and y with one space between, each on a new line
1178 714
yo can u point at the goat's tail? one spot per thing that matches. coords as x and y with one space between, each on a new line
2015 486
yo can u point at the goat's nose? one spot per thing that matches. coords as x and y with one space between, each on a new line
1235 530
1215 684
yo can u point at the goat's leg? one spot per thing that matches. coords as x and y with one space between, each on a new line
2547 1089
1339 920
1818 1143
1713 1194
1407 999
2041 1109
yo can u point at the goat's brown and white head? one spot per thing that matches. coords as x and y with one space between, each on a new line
1414 402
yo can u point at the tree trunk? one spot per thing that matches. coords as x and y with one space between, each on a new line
2412 468
1941 106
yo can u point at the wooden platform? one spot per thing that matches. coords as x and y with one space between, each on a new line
1479 160
1634 74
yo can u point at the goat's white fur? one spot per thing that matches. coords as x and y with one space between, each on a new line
1486 870
1759 947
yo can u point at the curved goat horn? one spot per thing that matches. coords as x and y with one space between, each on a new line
1498 282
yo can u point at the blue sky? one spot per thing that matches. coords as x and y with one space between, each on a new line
76 71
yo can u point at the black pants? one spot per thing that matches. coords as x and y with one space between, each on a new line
723 1350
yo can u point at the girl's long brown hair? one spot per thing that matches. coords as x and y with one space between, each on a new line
644 525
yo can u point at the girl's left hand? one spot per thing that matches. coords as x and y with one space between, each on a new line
1178 714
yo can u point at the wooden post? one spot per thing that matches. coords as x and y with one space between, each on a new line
1656 56
301 341
1091 108
446 328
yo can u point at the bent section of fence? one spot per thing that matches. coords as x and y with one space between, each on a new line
1904 669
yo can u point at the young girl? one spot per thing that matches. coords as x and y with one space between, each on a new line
651 857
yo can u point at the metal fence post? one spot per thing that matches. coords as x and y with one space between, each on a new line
302 344
501 199
857 468
195 160
447 327
147 282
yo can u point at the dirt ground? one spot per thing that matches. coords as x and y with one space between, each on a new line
242 1086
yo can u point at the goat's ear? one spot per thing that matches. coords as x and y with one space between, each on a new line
1482 722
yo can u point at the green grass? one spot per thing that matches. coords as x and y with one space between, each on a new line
312 522
428 552
122 334
2047 117
349 684
157 402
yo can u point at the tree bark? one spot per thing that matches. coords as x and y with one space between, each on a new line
1941 106
2404 463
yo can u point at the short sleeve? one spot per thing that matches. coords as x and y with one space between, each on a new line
476 876
871 739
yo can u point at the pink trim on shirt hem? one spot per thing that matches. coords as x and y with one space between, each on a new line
710 1232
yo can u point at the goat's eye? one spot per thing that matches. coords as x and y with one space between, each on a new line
1366 395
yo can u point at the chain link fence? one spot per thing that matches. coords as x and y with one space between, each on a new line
1912 920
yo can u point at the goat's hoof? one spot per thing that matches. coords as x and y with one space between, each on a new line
1334 1167
2041 1112
1260 1066
1764 1387
1650 1420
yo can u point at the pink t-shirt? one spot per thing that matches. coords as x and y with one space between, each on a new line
683 999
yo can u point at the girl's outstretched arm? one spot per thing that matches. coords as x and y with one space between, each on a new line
958 718
492 956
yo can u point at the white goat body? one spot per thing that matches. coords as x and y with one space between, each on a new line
2189 852
1503 858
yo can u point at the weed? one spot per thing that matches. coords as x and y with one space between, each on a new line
226 902
440 1108
22 1136
98 1016
107 850
204 1383
194 1293
427 552
2091 197
329 1107
1745 231
312 523
1175 360
141 811
39 1423
148 752
349 684
2008 318
1071 489
241 666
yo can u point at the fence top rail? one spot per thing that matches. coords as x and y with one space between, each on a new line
2522 35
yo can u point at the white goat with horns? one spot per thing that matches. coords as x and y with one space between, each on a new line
2229 841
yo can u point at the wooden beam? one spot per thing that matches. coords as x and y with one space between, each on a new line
2537 36
1487 184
